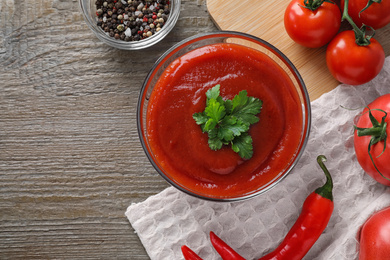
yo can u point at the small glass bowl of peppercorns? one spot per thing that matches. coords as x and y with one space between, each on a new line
130 24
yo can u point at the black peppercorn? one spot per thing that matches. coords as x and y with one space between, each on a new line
118 5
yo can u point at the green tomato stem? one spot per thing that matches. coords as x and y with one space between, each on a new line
369 3
360 33
378 133
314 4
373 131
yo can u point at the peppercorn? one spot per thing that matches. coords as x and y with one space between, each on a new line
120 27
118 5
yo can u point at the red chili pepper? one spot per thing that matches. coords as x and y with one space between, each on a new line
316 212
189 254
225 251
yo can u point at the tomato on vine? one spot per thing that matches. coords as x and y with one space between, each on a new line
353 57
312 23
351 63
373 13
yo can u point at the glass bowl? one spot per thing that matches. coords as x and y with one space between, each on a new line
266 175
88 8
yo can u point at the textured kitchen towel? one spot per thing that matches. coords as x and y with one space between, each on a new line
256 226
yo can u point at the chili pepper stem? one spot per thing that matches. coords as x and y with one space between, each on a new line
326 190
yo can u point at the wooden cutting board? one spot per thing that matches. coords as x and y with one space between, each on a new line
264 19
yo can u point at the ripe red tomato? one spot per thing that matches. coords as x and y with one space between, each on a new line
377 15
375 237
312 28
361 143
352 64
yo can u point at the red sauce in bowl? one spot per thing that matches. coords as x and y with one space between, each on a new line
178 144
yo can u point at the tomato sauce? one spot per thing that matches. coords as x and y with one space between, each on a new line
180 147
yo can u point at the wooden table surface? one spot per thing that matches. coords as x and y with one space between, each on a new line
70 158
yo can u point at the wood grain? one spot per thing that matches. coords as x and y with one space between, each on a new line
264 19
70 158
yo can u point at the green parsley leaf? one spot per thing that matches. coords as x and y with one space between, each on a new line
231 127
200 118
228 121
214 142
246 108
213 93
243 146
215 110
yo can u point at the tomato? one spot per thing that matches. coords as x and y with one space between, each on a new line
361 143
375 237
352 64
312 28
377 15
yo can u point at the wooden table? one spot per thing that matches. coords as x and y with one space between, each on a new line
70 158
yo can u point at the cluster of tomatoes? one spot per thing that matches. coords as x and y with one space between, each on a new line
352 56
373 155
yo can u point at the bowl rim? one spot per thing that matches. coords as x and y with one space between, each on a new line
226 33
132 45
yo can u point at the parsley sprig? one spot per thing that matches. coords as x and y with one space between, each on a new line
228 121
